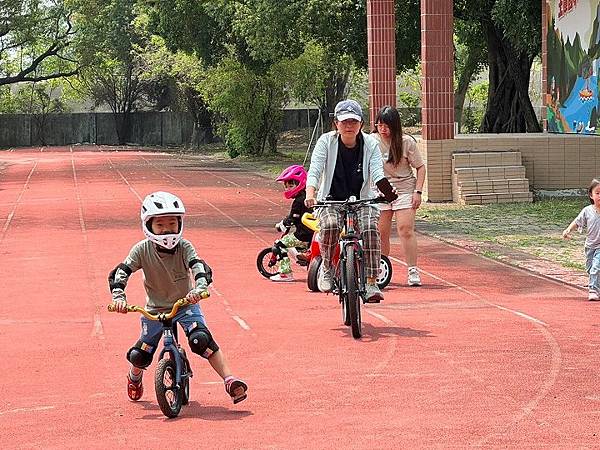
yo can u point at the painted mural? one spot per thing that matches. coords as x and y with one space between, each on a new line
573 62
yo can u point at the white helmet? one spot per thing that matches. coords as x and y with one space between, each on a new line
162 204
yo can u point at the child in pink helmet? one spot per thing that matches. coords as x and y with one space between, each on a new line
294 184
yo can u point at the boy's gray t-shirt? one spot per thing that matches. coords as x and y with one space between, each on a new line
589 220
167 277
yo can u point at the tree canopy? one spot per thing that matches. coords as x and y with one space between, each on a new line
35 41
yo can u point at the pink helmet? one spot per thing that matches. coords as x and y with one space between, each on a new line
293 173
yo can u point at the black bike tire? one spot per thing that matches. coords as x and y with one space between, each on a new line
169 409
185 388
313 273
384 279
352 296
185 391
260 263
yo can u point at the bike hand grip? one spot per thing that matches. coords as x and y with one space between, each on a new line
113 308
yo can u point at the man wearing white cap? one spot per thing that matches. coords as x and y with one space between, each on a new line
347 162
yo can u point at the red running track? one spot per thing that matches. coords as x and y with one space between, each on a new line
483 355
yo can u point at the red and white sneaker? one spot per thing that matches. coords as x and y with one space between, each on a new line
282 277
236 388
134 389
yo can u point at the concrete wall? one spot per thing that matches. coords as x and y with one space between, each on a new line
552 161
147 128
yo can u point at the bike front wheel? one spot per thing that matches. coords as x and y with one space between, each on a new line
352 294
267 263
168 394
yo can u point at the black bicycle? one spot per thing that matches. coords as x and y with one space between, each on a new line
173 372
349 277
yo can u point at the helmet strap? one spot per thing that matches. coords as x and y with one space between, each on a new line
170 251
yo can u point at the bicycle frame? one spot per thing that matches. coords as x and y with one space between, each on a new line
171 347
350 276
170 344
350 241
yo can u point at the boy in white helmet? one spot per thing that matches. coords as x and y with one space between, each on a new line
169 263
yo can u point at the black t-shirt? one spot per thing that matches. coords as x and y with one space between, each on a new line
348 174
302 233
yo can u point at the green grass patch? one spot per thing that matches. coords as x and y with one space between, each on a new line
535 228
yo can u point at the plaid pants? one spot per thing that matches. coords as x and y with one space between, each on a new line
330 224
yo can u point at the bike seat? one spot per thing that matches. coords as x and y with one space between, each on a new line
310 221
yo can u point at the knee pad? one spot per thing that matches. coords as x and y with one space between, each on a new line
139 357
201 342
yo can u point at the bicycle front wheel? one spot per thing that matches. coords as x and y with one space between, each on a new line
352 296
168 395
267 263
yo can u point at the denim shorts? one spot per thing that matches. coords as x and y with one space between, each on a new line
189 317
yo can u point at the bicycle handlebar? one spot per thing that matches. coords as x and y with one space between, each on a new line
352 201
160 316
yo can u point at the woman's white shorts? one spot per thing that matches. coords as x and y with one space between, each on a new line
404 201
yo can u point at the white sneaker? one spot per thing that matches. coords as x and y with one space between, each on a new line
282 277
324 279
593 296
413 277
373 294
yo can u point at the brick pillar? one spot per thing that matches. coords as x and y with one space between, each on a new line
545 7
381 35
437 60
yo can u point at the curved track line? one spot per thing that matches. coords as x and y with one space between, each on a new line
542 327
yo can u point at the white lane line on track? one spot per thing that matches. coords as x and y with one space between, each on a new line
256 194
241 322
26 410
224 214
477 296
112 166
379 316
17 202
97 329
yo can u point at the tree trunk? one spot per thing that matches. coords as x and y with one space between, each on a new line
469 70
509 108
123 123
336 89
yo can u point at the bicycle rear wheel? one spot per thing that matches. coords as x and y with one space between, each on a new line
313 273
267 263
168 395
352 296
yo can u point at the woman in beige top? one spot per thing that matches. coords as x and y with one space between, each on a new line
400 156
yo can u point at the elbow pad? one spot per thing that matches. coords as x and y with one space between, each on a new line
201 270
386 189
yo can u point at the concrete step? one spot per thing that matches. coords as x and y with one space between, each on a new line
463 174
496 186
485 199
486 159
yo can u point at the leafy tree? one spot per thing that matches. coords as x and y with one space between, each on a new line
35 41
511 31
174 82
111 40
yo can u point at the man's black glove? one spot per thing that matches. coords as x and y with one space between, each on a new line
387 190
